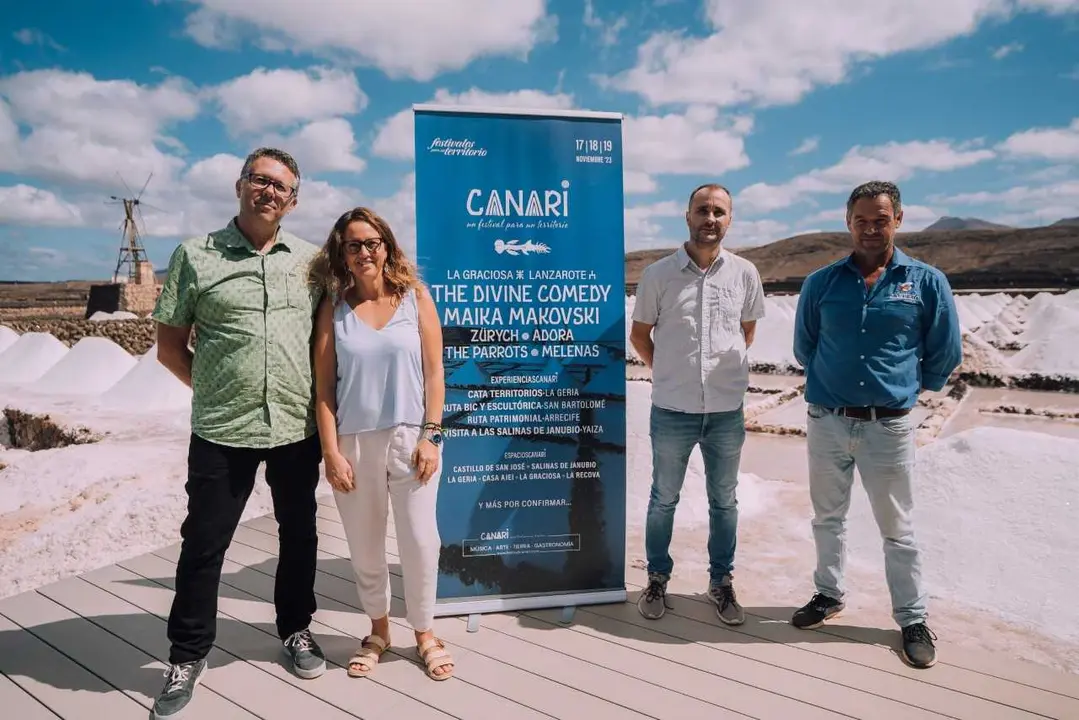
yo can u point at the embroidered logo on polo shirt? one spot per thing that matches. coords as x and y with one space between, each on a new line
904 292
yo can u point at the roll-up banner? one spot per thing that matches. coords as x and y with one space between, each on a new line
520 237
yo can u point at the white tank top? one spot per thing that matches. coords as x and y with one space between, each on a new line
379 372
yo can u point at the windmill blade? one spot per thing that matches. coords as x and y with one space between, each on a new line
144 185
152 207
124 182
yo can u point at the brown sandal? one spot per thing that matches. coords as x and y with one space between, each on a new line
434 654
371 649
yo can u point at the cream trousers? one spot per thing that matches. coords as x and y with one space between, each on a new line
382 467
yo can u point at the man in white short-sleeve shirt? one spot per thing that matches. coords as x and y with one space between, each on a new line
693 321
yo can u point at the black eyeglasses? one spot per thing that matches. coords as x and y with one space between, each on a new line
261 182
353 246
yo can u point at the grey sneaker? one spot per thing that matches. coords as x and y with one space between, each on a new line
727 607
308 660
180 682
653 600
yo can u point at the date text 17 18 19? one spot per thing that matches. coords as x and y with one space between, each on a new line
593 145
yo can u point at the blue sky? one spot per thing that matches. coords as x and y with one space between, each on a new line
972 106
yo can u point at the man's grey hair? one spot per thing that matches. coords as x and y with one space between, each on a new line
275 154
871 190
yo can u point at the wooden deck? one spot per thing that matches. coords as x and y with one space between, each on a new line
94 646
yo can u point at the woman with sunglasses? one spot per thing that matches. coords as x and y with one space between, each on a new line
380 390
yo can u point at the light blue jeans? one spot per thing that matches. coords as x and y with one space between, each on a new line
674 435
883 451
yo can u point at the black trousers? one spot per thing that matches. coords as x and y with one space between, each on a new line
219 482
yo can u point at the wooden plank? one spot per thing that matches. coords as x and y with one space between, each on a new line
18 703
461 699
259 645
57 681
811 667
122 665
1031 688
1013 671
137 641
252 674
672 670
879 657
513 682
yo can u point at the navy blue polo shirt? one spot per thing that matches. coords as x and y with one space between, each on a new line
878 346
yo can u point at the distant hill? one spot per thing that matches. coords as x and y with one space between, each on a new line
1066 222
1015 257
957 223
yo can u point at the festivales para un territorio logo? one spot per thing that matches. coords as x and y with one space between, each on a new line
450 146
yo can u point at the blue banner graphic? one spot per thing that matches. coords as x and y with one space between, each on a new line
520 237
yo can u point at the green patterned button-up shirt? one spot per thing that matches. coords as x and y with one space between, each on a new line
251 376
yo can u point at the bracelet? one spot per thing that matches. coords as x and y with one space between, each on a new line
432 425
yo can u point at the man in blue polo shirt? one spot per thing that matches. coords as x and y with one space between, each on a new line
872 330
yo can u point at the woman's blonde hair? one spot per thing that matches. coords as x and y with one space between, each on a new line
330 269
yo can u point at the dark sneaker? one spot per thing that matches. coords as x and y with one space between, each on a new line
918 649
653 600
308 660
180 682
814 613
727 607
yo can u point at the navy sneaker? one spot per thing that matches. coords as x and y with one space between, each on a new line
307 658
180 682
815 612
918 649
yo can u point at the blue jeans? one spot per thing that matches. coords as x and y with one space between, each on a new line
883 451
674 435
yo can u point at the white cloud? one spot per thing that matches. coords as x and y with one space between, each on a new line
396 136
1057 144
637 182
33 36
893 161
1005 50
608 31
403 39
320 146
26 205
699 141
265 99
119 112
749 233
641 229
774 52
918 217
1023 204
1021 197
808 145
88 130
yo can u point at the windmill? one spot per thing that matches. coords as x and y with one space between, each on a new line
132 265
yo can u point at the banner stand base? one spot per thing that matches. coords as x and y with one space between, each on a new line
568 602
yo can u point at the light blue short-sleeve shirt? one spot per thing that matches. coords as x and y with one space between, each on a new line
700 363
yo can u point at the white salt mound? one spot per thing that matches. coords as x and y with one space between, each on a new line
90 367
30 357
995 332
8 337
994 515
981 357
101 316
1051 355
148 386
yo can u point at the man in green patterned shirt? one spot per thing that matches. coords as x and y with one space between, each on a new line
245 290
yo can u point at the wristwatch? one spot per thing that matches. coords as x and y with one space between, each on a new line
433 433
